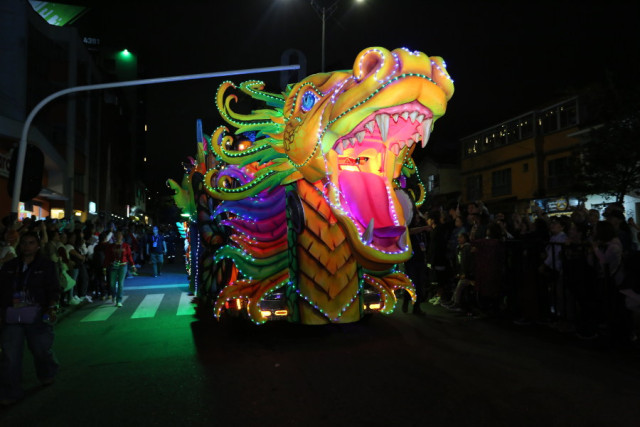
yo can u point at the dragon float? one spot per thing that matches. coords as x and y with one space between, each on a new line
302 212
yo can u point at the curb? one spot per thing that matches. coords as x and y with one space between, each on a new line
65 311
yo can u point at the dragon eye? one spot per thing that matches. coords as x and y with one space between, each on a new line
308 100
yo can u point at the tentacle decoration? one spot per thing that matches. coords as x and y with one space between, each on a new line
254 208
264 121
250 267
253 291
253 88
261 152
388 285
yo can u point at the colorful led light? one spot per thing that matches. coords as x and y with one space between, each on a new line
308 241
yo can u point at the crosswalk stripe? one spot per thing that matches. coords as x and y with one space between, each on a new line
168 286
148 306
103 312
185 308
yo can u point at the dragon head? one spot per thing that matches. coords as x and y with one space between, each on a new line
354 131
324 179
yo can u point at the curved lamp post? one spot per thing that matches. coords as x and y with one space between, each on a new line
22 149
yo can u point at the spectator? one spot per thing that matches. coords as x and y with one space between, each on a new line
551 287
156 248
553 261
28 289
615 216
98 276
8 249
75 260
452 243
505 234
472 208
66 265
593 217
130 240
437 256
117 259
81 261
489 266
607 259
607 251
463 273
416 266
141 236
479 226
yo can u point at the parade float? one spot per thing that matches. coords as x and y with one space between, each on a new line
301 211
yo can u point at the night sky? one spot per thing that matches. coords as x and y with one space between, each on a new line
506 58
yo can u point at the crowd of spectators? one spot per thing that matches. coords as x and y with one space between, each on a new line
577 273
80 252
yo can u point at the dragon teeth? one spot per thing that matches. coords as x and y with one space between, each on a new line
396 117
360 136
370 126
405 115
402 243
426 131
413 116
383 124
338 148
367 236
407 206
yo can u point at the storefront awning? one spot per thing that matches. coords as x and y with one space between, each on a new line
49 194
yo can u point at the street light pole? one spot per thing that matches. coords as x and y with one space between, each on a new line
324 12
323 33
22 148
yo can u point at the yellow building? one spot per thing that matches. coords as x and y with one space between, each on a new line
522 161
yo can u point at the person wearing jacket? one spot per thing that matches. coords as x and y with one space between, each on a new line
29 294
117 260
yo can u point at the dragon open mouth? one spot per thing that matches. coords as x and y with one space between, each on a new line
368 159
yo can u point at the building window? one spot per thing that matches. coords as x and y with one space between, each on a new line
559 117
474 187
559 175
548 121
471 147
518 129
501 182
568 114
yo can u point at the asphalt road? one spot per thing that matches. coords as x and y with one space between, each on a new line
151 363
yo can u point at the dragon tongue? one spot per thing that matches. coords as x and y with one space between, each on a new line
364 195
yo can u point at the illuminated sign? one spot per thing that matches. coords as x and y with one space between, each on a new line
57 14
556 204
92 208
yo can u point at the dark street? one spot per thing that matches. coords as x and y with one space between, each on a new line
140 366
